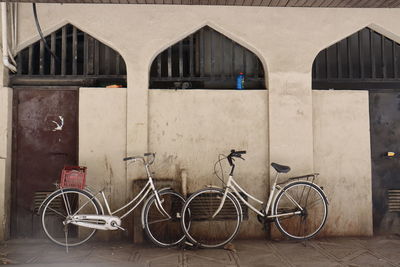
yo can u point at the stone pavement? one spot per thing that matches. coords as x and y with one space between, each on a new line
376 251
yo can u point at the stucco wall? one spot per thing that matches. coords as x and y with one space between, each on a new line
189 129
5 159
343 158
287 40
102 141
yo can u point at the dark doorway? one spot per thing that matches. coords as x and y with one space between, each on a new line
45 138
385 136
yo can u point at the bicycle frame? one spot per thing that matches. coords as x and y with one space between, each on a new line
112 222
233 186
141 196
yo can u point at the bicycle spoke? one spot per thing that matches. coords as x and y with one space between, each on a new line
66 203
59 213
164 231
313 204
56 228
86 203
312 214
158 221
205 230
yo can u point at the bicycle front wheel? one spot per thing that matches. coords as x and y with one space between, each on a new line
302 210
58 210
162 230
199 225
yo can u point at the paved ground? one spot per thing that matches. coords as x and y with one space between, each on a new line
377 251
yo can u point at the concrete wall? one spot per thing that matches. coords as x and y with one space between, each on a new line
189 129
102 142
343 158
5 159
286 40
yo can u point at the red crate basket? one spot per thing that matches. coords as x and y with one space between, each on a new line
73 176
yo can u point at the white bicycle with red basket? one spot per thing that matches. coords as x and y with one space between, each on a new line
72 214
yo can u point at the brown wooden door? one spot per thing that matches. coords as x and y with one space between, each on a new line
45 139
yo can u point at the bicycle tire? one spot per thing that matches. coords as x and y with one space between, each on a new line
54 214
162 231
199 226
310 221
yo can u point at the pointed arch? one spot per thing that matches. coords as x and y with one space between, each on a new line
80 59
366 59
206 59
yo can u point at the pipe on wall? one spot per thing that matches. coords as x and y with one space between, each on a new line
4 33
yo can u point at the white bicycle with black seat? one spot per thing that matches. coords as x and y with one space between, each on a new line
71 216
211 217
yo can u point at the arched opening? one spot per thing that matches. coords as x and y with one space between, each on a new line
79 60
46 108
206 59
363 60
367 60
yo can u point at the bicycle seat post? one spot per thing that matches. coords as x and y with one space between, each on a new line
146 166
275 180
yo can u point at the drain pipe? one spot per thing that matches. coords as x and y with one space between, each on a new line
4 34
184 177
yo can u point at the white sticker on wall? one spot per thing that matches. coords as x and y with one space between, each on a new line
59 125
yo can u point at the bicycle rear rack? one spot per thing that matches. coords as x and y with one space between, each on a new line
308 177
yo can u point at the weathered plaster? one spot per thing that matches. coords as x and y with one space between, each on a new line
102 141
343 158
5 159
286 40
189 129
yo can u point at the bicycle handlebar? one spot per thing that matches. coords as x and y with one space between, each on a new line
149 162
235 154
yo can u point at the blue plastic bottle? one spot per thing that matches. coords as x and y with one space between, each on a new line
240 81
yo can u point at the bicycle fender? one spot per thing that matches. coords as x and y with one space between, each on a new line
46 200
289 184
214 186
314 184
147 201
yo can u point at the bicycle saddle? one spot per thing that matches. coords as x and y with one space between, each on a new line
280 168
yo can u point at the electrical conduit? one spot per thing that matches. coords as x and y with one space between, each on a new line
4 34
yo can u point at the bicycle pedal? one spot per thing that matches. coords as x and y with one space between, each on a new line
120 228
187 243
114 224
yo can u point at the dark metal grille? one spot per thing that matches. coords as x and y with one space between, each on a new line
40 196
80 56
393 200
206 59
364 60
212 203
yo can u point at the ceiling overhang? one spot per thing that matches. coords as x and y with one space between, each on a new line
265 3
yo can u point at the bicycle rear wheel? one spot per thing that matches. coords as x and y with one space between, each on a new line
201 228
164 231
310 218
59 208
